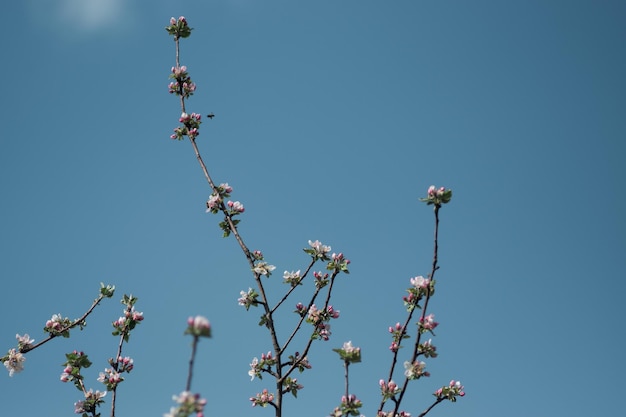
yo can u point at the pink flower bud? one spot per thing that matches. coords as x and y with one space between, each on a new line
199 326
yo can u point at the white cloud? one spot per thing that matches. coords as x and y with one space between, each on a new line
91 14
82 16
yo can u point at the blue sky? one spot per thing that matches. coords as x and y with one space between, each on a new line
332 118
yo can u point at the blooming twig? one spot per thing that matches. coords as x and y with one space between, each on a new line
422 289
122 327
183 87
189 403
110 377
55 326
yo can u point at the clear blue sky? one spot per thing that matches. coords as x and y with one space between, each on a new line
332 118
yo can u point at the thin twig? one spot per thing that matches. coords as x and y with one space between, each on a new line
347 365
81 320
292 289
437 401
427 298
192 359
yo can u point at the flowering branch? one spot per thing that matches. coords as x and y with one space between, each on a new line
123 326
421 289
189 403
350 404
56 326
110 377
184 87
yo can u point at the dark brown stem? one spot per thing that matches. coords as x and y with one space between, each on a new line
347 365
437 401
292 289
299 324
192 359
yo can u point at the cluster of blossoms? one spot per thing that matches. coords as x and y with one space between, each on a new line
182 86
75 360
14 361
428 349
66 375
223 191
248 298
130 319
124 364
437 196
319 319
256 366
318 251
198 326
350 406
179 28
420 287
89 404
188 404
110 378
450 392
262 398
24 343
322 331
321 279
420 283
338 263
58 325
349 353
398 333
388 389
235 207
107 290
415 370
263 268
190 125
215 204
292 278
428 323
